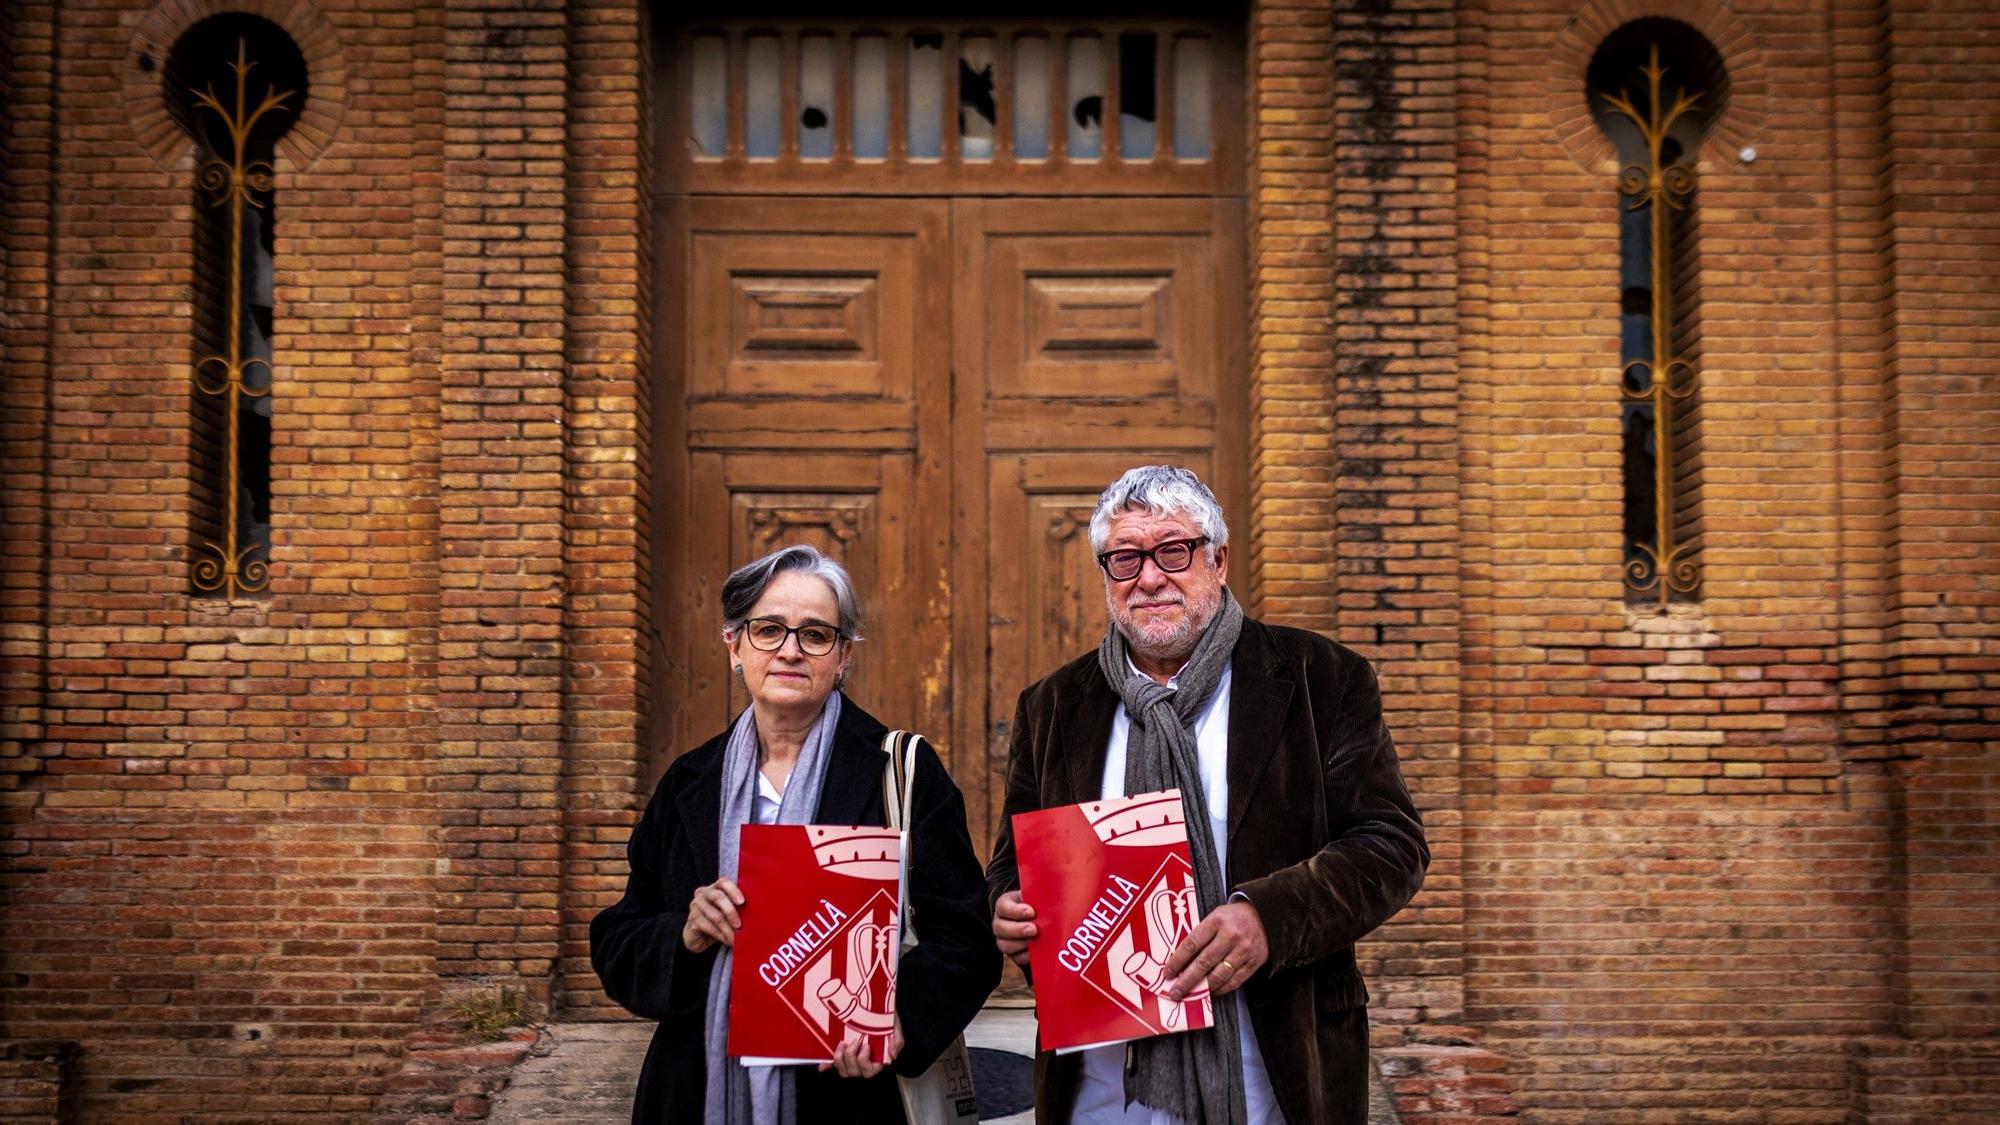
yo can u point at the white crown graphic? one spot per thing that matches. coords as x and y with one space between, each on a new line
1148 820
864 853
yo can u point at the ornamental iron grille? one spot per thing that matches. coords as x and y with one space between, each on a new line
1659 126
235 133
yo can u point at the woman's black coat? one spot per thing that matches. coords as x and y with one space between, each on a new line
635 946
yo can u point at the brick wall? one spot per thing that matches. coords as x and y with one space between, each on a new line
220 861
1684 830
1734 862
32 1079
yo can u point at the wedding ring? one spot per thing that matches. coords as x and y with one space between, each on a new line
1227 969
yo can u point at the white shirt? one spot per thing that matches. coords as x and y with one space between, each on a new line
764 807
1100 1098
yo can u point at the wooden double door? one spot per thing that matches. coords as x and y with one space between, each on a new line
934 391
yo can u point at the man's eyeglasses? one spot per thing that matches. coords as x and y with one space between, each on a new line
767 634
1173 556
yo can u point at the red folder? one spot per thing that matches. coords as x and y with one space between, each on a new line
816 957
1113 892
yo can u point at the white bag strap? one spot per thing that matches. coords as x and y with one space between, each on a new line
898 778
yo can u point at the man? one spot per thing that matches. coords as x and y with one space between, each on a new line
1302 834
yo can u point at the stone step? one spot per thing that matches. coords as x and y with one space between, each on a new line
585 1073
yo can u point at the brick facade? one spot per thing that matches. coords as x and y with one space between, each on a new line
1734 862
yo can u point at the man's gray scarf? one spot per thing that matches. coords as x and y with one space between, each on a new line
736 1094
1197 1076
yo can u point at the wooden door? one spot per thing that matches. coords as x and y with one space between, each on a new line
935 392
1090 336
813 406
925 287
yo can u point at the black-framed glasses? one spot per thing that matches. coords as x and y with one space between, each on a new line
767 634
1173 556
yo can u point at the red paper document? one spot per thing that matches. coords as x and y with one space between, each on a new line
1113 892
815 960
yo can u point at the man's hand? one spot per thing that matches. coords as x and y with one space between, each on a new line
1225 949
712 916
1014 927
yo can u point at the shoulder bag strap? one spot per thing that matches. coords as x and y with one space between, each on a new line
897 778
894 810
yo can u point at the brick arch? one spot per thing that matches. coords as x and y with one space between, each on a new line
145 93
1741 121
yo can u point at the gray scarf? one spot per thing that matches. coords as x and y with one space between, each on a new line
736 1094
1196 1076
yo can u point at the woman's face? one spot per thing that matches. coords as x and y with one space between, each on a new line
789 680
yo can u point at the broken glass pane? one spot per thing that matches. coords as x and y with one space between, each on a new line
1031 98
1086 97
763 99
977 111
816 97
708 97
1137 75
871 97
1192 80
926 108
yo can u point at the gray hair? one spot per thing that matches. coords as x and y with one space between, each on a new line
1161 490
748 583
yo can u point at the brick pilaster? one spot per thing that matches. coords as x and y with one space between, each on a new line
1866 452
1395 415
1944 636
1290 331
501 470
608 340
28 139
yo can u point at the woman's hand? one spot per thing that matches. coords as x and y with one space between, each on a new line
712 917
852 1061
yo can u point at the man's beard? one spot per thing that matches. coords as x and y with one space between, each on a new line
1176 641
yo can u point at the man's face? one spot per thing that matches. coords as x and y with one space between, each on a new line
1163 614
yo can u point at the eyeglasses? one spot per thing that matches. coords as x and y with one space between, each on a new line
1173 556
768 634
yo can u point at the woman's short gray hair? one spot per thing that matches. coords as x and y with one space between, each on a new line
748 583
1161 490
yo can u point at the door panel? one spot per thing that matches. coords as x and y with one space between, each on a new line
803 315
1112 316
856 508
812 407
1046 601
1091 336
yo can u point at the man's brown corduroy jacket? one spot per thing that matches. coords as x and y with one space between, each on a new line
1323 840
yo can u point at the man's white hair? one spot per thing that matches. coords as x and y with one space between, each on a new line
1161 490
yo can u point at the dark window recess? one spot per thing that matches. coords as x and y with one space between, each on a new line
1138 105
235 83
975 96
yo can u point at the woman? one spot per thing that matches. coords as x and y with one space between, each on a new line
801 753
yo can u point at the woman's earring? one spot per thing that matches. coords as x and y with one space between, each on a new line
738 669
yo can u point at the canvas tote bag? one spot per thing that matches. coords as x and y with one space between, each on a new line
941 1095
